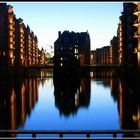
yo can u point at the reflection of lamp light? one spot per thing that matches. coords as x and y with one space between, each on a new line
76 99
136 117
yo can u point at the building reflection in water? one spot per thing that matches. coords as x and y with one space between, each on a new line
101 73
18 97
129 108
71 92
127 99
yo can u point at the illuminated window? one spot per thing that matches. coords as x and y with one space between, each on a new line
11 54
12 62
76 50
21 56
135 50
29 37
21 35
11 46
21 30
21 49
21 39
121 39
11 39
91 74
10 33
10 26
10 20
21 45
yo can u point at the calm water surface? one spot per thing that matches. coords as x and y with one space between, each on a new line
67 104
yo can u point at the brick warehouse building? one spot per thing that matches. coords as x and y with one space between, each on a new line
18 44
72 50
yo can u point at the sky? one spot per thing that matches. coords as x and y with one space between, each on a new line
45 19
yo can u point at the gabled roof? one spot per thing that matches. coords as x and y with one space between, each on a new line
72 37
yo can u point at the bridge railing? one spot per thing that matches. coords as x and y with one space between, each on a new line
62 132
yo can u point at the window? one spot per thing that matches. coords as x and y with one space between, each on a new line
11 54
21 30
11 33
76 50
77 57
11 39
11 46
21 39
11 27
21 56
10 19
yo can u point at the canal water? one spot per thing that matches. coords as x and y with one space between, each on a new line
85 103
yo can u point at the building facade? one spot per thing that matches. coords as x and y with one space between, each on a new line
41 57
105 55
120 41
130 42
71 49
7 37
98 56
19 45
128 36
137 33
113 51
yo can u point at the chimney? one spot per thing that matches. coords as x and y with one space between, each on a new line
59 33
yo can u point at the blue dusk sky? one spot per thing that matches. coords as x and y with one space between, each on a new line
45 19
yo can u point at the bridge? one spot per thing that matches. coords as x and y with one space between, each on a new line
95 66
45 66
102 66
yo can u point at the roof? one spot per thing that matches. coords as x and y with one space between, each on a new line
69 37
